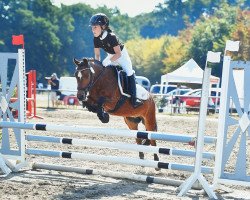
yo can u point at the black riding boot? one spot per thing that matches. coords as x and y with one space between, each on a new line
132 90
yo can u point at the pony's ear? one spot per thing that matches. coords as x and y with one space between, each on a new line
85 61
77 62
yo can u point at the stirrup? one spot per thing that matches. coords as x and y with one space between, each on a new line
137 103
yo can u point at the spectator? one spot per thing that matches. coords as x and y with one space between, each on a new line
177 99
54 82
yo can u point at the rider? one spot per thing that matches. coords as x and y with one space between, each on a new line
117 54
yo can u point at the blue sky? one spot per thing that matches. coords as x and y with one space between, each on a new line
131 7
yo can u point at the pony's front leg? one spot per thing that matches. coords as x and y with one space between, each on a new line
102 115
91 107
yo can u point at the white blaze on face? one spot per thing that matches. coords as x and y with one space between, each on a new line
92 70
79 74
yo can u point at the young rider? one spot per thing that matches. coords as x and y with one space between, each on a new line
117 54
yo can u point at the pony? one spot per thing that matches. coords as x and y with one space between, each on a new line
98 90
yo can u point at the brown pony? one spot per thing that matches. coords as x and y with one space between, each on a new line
97 88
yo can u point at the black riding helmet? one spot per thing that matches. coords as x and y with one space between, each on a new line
99 19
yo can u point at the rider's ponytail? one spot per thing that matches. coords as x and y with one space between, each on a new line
107 28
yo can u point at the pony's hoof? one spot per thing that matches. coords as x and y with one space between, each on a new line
104 117
156 158
192 143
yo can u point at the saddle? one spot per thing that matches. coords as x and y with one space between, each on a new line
122 81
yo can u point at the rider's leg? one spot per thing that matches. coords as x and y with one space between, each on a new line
132 90
126 64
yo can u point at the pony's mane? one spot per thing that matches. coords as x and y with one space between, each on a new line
91 59
98 62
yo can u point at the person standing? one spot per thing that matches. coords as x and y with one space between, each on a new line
117 54
54 82
177 99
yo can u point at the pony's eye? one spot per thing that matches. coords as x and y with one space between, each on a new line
79 75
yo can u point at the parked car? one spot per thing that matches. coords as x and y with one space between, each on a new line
191 94
196 95
192 100
162 89
143 81
182 91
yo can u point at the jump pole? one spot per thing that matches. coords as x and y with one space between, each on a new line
118 146
106 131
5 169
117 159
31 95
197 175
112 174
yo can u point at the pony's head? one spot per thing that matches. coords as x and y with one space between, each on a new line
84 76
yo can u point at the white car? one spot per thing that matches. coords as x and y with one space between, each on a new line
162 89
182 91
143 81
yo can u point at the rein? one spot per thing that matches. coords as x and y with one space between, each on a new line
92 82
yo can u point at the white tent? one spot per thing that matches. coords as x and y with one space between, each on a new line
190 72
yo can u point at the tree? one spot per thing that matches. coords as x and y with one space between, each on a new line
211 31
239 32
175 52
54 36
146 56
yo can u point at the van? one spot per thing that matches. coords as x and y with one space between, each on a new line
68 86
143 81
162 89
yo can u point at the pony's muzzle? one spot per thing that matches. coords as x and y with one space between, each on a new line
81 95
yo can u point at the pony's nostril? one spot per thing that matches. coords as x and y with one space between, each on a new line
80 97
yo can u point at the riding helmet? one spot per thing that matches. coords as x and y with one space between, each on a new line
99 19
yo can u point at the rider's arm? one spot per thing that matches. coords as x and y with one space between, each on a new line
117 54
97 53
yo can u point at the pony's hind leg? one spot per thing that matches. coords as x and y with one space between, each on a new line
132 124
145 141
151 125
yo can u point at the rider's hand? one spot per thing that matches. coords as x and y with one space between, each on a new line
106 62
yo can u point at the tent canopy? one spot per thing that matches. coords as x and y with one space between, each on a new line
190 72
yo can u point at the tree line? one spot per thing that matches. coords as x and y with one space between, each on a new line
158 42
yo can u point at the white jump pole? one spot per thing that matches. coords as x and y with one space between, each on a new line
118 146
106 131
107 173
117 159
5 169
197 175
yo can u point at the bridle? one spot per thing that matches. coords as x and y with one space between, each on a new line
92 81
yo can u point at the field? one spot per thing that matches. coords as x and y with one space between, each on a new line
43 184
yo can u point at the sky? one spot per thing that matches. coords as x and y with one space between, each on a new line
130 7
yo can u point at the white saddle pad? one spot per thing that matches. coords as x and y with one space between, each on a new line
141 92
